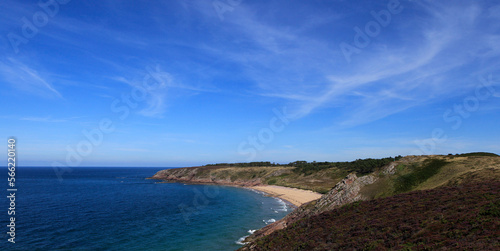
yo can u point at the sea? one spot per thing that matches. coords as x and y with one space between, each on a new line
115 208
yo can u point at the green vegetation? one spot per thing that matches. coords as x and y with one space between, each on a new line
360 166
405 174
248 164
408 181
400 167
272 181
477 154
493 208
322 190
448 218
316 176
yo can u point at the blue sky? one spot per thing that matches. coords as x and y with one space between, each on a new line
180 83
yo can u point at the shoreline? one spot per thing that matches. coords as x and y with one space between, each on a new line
294 196
288 203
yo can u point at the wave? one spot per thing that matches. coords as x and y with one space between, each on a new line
256 191
282 207
269 221
241 240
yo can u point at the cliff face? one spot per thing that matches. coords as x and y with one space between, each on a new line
345 192
220 175
463 217
458 170
410 172
206 175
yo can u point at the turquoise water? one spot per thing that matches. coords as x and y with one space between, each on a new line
118 209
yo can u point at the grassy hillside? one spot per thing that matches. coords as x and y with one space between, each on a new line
427 172
411 173
407 173
355 181
457 217
315 176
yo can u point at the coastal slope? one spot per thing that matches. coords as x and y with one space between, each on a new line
344 183
297 197
451 217
411 173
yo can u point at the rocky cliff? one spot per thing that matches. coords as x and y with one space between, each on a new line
404 175
224 175
206 175
459 217
345 192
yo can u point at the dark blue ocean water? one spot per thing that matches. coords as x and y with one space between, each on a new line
118 209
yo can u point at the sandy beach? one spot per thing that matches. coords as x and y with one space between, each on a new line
293 195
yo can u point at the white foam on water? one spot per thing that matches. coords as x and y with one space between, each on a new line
269 221
283 207
241 240
256 191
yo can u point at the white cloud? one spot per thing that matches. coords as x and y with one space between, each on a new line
391 78
305 71
22 77
165 89
49 119
44 119
156 105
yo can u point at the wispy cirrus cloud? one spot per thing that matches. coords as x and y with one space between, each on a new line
43 119
417 65
166 89
222 79
395 70
26 79
50 119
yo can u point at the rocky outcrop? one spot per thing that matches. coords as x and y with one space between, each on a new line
390 170
202 175
344 192
459 217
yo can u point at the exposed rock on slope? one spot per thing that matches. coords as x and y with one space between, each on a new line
315 176
210 175
458 170
403 175
463 217
345 192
